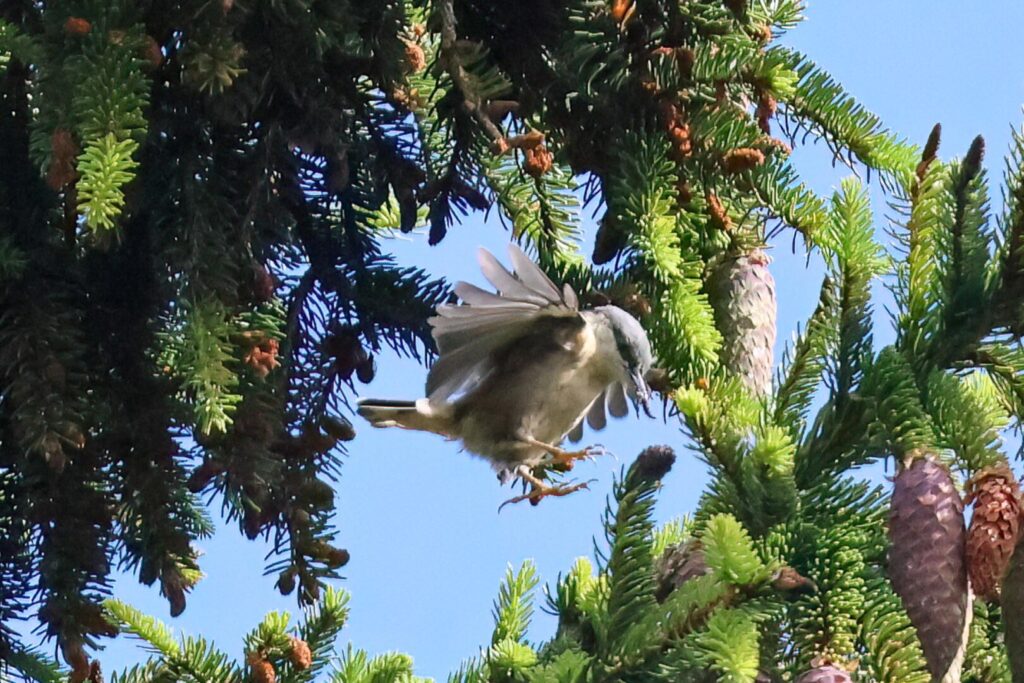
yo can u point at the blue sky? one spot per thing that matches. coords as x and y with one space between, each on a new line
420 518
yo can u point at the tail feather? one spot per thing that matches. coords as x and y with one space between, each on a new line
418 415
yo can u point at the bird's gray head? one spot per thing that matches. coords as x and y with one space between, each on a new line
634 349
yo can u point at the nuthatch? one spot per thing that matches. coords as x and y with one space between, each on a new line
522 369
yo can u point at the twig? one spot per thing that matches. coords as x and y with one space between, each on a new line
453 65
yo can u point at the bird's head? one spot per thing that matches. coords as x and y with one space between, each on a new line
634 350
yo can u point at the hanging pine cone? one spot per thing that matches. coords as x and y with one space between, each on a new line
719 217
685 57
537 160
766 107
995 528
312 441
497 110
344 347
262 354
742 159
286 581
338 427
172 585
531 139
825 674
77 27
682 143
63 152
677 565
415 59
926 557
74 655
684 193
152 53
263 283
742 293
335 557
366 370
610 240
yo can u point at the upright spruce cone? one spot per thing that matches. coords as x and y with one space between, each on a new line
679 564
300 655
824 674
262 670
926 558
995 528
742 292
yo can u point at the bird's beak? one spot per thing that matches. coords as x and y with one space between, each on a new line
643 392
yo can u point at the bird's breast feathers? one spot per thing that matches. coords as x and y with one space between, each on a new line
562 393
582 344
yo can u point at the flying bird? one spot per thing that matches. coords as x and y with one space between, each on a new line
522 369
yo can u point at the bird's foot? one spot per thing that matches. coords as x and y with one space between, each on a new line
562 460
565 460
541 491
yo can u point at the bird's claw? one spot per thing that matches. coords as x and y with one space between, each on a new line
538 493
564 460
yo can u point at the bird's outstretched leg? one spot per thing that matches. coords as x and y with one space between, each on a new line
566 459
539 489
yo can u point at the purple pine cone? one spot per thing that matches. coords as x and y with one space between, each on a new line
825 674
926 558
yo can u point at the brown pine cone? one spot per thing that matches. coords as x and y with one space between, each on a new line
262 355
415 59
300 655
610 240
719 218
63 152
766 106
742 159
263 283
537 160
262 670
995 527
74 655
682 143
152 53
78 27
677 565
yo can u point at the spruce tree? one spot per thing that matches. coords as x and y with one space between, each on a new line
195 201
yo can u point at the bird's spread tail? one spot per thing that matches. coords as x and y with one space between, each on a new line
417 415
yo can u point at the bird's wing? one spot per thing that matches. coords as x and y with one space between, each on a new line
468 335
577 432
612 401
